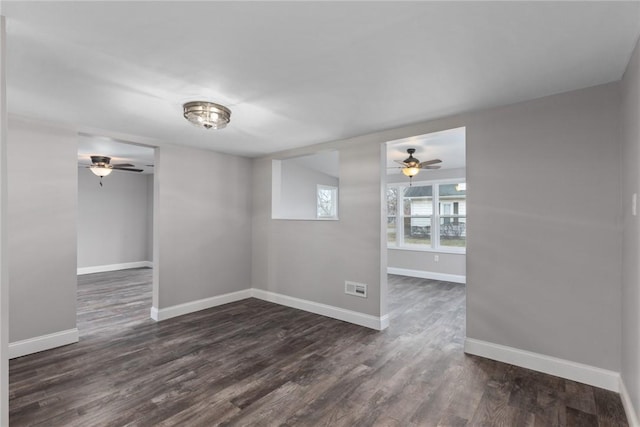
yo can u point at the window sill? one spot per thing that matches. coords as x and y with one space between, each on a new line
455 251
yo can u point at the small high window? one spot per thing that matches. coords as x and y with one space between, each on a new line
327 202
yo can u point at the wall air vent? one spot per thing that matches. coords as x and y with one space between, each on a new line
357 289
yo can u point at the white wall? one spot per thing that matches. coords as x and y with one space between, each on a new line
113 220
202 236
544 233
42 218
631 237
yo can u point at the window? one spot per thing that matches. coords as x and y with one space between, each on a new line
433 216
392 206
327 202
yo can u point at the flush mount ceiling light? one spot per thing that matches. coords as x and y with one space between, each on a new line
207 115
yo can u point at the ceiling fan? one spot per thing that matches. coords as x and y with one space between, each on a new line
101 166
411 165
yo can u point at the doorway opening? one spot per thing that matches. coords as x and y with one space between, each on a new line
115 231
425 222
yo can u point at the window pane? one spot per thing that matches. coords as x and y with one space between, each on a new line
453 231
391 230
418 200
453 199
327 201
453 208
417 231
392 201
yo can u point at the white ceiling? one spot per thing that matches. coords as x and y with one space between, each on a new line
327 162
448 146
299 73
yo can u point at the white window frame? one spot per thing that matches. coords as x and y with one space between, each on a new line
334 201
435 217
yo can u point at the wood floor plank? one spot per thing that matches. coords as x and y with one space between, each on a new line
260 364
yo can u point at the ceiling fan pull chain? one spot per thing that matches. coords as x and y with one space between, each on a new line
100 181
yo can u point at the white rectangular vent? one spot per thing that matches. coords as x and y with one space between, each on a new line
357 289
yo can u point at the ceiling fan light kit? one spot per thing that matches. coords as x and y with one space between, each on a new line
411 166
411 171
207 115
101 166
100 170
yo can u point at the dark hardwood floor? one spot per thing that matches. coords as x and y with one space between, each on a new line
258 363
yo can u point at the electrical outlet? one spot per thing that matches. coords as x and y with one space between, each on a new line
436 258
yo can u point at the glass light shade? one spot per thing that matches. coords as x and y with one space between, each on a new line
100 170
410 171
207 114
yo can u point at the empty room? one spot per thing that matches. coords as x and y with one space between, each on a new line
319 213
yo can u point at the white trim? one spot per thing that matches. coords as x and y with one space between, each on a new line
449 250
43 342
114 267
632 416
384 322
427 275
201 304
366 320
574 371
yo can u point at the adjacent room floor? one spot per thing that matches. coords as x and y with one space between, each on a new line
258 363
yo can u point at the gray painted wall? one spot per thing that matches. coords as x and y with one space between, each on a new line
312 259
543 255
631 238
149 254
42 217
298 190
202 238
113 220
448 263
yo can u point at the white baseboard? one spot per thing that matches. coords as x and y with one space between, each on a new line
43 342
373 322
574 371
114 267
455 278
366 320
202 304
632 416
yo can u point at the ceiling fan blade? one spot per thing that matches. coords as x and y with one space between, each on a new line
404 165
430 162
123 165
128 169
431 167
